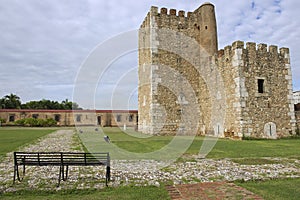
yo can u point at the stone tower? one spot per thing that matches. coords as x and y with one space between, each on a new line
258 85
187 86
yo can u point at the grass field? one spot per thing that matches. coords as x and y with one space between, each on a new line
275 189
245 152
224 148
12 138
124 193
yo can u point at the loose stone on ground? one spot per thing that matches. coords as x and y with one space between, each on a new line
193 170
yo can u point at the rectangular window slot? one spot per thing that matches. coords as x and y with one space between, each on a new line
260 85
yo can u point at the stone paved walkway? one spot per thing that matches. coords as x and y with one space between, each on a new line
210 191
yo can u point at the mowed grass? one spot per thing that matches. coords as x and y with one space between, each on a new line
242 151
275 189
124 193
224 148
12 138
136 142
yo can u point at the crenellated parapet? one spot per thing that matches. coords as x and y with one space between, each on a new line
165 14
200 24
252 52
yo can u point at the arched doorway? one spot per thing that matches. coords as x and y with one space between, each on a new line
270 130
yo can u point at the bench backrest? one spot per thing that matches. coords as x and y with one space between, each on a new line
61 158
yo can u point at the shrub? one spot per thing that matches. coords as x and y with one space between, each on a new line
50 122
2 121
30 122
20 122
36 122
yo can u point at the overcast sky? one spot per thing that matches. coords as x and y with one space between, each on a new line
43 43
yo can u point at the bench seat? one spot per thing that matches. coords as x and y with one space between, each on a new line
61 159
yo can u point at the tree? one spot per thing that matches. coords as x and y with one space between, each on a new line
11 101
2 104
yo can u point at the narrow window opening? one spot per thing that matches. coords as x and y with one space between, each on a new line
130 119
78 118
99 120
57 118
205 27
35 116
11 118
260 84
119 118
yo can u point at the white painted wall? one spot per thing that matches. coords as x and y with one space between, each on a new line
296 97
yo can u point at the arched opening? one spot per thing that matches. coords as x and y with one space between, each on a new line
99 120
270 130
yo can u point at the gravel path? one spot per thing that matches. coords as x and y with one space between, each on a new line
143 172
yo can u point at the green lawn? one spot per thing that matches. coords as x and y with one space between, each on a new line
254 148
275 189
224 148
245 152
125 192
12 138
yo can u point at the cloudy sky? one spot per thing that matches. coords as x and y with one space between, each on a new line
44 44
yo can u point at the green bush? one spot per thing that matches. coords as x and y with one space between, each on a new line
20 122
50 122
2 121
32 122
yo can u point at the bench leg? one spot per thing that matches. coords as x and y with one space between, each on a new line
61 174
67 169
16 173
23 171
107 176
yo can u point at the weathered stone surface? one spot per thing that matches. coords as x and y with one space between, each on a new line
235 91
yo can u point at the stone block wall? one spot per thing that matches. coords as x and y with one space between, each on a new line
258 86
186 85
166 60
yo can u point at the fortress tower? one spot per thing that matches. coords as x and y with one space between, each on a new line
258 84
187 86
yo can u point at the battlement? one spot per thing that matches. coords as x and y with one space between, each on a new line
253 47
165 13
199 24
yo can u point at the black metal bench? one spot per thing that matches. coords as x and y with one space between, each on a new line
61 159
